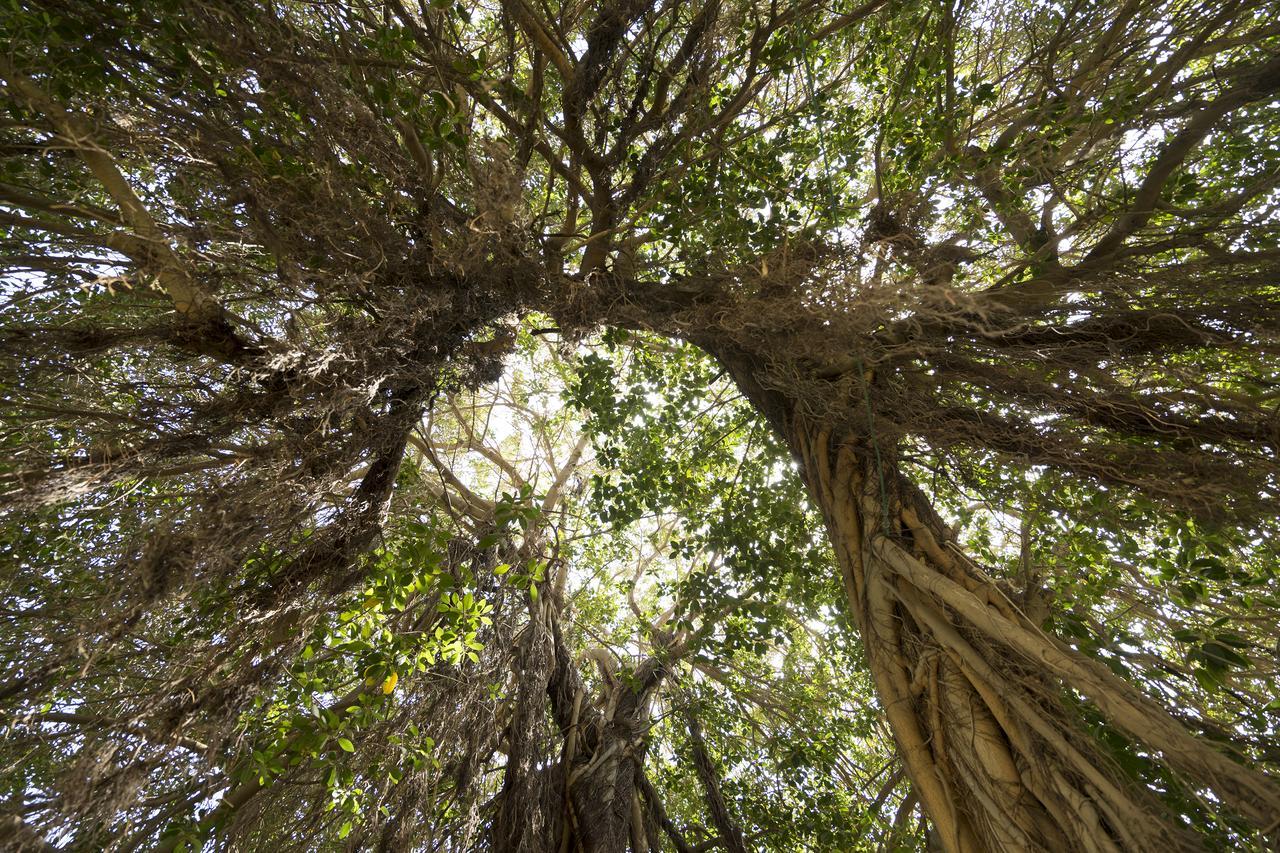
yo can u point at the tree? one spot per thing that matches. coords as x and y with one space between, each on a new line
999 280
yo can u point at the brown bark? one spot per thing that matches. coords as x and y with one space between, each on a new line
658 813
606 741
972 688
709 775
526 819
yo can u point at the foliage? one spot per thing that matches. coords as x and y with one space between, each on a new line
522 426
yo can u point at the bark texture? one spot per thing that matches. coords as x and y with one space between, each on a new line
974 689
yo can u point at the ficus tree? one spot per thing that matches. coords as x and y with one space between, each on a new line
913 442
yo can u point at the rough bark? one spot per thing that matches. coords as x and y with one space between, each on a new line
972 687
606 739
526 819
709 775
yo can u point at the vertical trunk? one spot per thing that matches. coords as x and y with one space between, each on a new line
606 742
709 775
972 687
526 819
587 798
601 785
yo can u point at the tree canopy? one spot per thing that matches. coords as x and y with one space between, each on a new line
639 425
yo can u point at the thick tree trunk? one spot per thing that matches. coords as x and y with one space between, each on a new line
527 821
590 797
972 687
590 800
605 744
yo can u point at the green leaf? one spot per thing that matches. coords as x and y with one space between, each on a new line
1208 680
1217 652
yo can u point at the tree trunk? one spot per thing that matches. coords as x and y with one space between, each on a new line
606 742
709 775
526 821
973 688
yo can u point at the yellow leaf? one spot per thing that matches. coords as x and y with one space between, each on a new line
390 683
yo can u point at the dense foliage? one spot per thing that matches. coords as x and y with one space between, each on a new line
639 425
